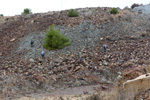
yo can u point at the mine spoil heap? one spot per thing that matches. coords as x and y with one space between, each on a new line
126 35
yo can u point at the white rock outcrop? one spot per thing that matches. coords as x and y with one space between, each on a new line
139 84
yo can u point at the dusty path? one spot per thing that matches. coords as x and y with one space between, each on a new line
69 92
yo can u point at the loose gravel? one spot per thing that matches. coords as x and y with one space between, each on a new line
80 36
83 35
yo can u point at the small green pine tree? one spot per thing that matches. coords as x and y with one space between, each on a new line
54 40
27 11
73 13
114 11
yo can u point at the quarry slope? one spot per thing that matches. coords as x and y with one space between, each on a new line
84 62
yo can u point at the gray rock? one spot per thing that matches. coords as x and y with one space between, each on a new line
119 77
119 73
32 60
145 9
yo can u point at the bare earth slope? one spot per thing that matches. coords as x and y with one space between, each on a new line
22 70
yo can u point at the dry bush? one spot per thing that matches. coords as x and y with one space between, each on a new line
134 5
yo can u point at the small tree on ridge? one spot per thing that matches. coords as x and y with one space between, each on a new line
27 11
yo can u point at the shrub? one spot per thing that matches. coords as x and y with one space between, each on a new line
1 15
73 13
134 5
27 11
114 11
54 40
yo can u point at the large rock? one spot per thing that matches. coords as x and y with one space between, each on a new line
130 73
137 85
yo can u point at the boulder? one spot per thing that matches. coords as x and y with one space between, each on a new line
130 73
137 85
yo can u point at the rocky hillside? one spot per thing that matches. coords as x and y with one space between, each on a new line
84 62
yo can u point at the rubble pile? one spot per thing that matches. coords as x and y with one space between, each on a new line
125 35
84 67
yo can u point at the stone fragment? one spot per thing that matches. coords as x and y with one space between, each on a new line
13 39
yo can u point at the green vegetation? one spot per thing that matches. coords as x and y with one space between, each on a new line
114 11
1 15
27 11
134 5
73 13
54 40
